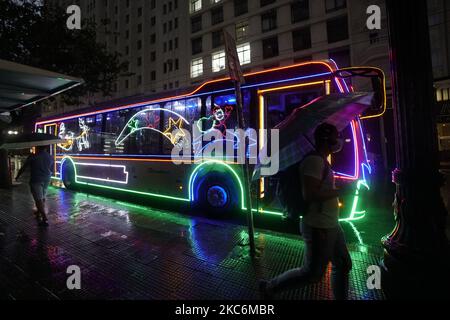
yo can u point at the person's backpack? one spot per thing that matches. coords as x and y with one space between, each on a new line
289 190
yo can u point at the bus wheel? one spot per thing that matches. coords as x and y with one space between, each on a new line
217 196
68 176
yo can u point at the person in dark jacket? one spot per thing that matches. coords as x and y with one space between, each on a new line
41 168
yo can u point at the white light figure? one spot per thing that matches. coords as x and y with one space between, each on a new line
83 138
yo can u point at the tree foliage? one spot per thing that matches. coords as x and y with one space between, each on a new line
36 35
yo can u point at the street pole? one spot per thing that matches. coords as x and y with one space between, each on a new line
250 224
416 252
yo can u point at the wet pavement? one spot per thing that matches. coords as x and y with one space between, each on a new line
130 251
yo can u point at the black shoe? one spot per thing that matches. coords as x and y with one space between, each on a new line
264 292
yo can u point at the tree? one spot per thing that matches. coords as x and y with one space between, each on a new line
36 35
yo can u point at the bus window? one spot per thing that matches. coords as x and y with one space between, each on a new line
83 135
134 131
180 114
281 104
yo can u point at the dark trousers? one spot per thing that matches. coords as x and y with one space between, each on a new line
321 247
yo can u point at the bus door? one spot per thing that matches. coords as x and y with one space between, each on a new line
274 105
53 130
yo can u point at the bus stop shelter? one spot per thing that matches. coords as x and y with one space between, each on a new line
23 86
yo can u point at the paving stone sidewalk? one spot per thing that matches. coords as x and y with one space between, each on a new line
128 251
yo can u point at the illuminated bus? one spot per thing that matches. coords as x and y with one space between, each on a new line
127 147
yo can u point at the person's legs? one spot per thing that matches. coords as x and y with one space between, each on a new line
342 264
37 190
319 245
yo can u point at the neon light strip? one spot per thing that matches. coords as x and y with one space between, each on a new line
132 159
383 88
101 165
191 181
191 94
121 189
355 176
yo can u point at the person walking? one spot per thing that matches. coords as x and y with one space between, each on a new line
41 169
323 236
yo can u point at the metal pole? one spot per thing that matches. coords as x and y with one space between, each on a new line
251 228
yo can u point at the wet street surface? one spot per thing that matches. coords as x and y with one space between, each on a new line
131 251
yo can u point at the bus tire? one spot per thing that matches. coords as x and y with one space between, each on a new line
68 175
218 196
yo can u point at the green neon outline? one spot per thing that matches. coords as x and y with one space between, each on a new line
354 215
190 184
120 189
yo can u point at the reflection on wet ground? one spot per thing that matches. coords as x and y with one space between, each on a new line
129 251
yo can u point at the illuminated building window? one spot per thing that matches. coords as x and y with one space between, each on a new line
244 53
218 61
438 95
196 67
241 30
195 5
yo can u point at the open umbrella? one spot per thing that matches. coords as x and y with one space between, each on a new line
297 130
29 140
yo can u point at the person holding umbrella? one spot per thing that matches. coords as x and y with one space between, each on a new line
323 236
41 169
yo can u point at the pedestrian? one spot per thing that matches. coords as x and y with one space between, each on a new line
41 169
323 236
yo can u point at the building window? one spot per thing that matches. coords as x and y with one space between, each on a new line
217 38
127 50
241 30
337 29
175 22
218 61
165 86
195 5
139 80
170 45
170 6
127 34
164 9
153 75
341 57
127 18
126 84
240 7
196 67
217 15
139 45
196 45
176 64
165 46
170 25
332 5
139 12
301 39
153 4
175 4
263 3
153 21
299 11
139 61
139 27
164 27
270 47
269 21
244 53
196 24
374 37
153 56
153 38
176 43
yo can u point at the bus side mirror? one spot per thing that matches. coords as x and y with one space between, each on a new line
369 79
